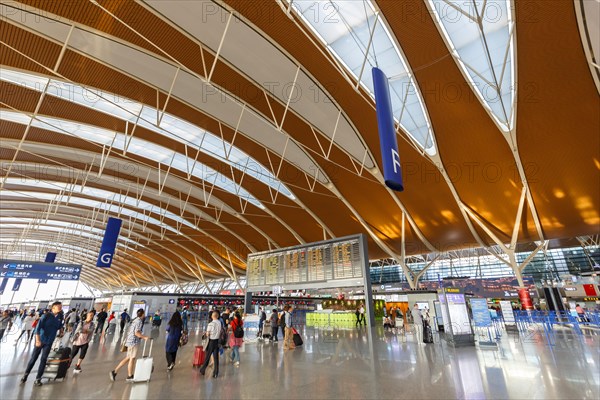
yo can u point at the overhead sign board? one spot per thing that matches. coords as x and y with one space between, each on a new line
39 270
109 242
324 263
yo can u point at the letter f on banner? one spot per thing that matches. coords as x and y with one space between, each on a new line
109 243
392 170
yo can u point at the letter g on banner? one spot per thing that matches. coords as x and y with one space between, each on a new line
109 243
106 258
392 171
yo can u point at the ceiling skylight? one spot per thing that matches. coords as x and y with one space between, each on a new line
105 195
140 147
169 126
345 28
480 34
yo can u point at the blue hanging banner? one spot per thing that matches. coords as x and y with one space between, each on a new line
17 284
50 257
109 243
392 171
3 285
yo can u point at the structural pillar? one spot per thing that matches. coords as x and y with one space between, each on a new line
369 306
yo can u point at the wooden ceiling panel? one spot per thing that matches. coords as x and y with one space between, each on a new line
558 120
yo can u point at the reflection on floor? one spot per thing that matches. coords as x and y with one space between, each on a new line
354 363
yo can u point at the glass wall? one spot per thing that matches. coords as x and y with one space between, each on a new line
552 265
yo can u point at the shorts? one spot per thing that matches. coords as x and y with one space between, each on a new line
132 351
82 349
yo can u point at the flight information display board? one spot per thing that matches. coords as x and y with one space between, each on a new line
327 261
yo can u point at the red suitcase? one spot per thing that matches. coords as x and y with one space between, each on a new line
199 356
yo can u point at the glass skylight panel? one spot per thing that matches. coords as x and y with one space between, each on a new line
113 208
480 36
34 82
129 110
137 146
102 194
345 27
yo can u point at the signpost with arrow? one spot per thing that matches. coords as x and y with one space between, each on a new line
39 270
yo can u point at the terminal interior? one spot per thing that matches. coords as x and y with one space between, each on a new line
419 180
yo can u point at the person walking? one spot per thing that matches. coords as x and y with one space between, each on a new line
72 320
288 339
213 332
133 339
361 311
156 319
418 323
81 340
184 318
274 325
124 319
357 313
100 319
174 329
580 313
236 339
261 321
5 323
45 333
27 326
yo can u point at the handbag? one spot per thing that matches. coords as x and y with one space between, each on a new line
183 339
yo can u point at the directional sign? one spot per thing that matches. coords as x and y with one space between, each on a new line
39 270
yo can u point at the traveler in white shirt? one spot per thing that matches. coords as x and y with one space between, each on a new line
418 323
26 327
213 332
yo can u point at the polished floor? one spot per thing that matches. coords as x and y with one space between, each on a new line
348 364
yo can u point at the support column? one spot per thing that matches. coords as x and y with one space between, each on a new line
248 309
369 306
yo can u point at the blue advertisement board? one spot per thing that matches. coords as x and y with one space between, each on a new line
481 314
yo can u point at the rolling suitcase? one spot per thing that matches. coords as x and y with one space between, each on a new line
427 334
297 338
199 356
58 364
144 366
267 330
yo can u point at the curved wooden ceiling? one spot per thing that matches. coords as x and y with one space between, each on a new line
113 48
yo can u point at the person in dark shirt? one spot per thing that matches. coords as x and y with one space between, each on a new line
100 319
261 321
124 319
225 316
45 333
274 325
